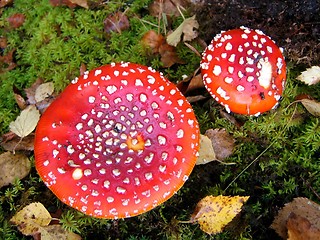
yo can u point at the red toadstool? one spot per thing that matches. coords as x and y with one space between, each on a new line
244 71
117 142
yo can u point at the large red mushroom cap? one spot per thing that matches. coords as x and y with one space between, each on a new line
120 140
244 70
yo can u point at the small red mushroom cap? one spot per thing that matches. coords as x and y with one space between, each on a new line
244 71
118 141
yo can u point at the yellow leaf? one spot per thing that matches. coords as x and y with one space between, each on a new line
31 218
25 122
206 152
53 232
311 76
13 166
214 213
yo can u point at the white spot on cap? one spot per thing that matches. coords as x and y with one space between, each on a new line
77 174
112 89
162 140
143 97
228 80
92 99
180 133
97 72
87 172
148 175
217 70
265 73
106 184
46 163
110 199
138 82
228 46
240 88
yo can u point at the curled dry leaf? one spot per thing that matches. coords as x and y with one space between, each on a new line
206 152
31 218
16 20
6 62
31 91
168 7
299 228
25 122
214 213
311 76
152 41
53 232
302 207
57 3
13 166
81 3
312 106
187 29
116 22
4 3
190 84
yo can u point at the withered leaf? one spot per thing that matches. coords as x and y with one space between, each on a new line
31 218
57 3
299 228
312 106
222 142
187 28
53 232
16 20
16 143
31 91
152 41
206 152
116 22
311 76
43 91
13 166
6 62
213 213
81 3
25 122
4 3
302 207
169 55
168 7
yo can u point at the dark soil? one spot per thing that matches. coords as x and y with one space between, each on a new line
293 24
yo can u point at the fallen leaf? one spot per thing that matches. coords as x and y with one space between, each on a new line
312 106
187 28
4 3
190 84
206 152
311 76
31 91
193 99
25 122
31 218
214 213
299 228
116 22
16 20
53 232
19 99
302 207
43 91
169 55
81 3
3 42
152 41
222 142
13 166
57 3
17 144
6 62
168 7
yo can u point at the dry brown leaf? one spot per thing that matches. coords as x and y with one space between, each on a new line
168 7
6 62
13 166
31 218
299 228
169 55
116 22
311 76
43 91
54 232
17 144
25 122
312 106
57 3
302 207
214 213
187 28
193 99
206 152
4 3
81 3
16 20
31 91
222 142
152 41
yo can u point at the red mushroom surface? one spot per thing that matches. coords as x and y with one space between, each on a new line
117 142
244 71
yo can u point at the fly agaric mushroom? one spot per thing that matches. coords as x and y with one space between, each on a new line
244 71
117 142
